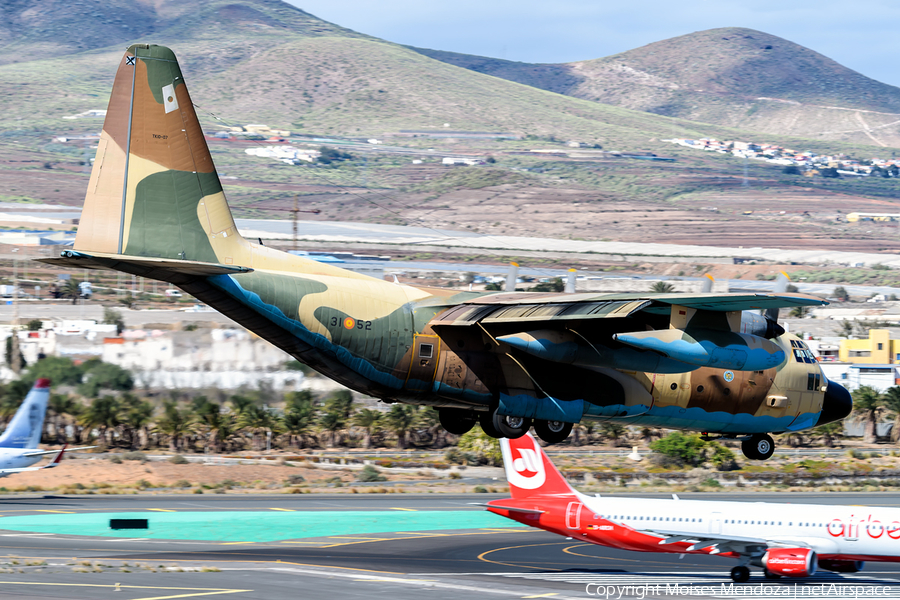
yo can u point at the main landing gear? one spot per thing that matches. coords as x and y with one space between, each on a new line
459 421
740 574
758 447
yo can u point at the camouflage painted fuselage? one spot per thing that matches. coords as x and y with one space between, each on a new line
155 208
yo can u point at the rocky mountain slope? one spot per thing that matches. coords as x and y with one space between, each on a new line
731 76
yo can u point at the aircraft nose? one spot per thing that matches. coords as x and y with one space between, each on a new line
837 404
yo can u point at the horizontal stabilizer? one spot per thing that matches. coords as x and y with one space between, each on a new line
527 511
153 268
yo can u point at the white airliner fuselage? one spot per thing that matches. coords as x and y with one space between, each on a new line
791 540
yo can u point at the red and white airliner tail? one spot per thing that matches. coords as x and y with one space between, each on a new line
786 540
529 470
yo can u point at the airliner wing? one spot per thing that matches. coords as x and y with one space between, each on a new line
722 543
43 452
50 465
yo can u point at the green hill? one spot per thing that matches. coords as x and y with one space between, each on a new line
731 76
266 61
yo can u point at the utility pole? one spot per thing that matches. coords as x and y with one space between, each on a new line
294 219
16 353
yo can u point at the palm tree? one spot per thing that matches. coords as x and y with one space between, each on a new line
892 403
613 431
70 289
299 417
59 406
399 420
332 422
868 404
175 423
219 426
258 420
103 415
241 403
369 420
137 415
662 287
829 432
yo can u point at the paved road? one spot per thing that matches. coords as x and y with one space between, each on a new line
483 563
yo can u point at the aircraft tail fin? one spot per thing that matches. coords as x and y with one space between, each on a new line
529 470
154 191
26 426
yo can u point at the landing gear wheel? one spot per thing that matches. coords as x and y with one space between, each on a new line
511 427
552 432
456 420
759 447
740 574
770 575
486 419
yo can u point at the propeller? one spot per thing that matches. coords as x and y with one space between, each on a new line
781 285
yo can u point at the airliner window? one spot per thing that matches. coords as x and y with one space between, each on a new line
426 350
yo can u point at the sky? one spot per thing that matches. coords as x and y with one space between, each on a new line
862 37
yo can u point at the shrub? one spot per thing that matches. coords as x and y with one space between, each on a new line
455 475
681 449
182 483
479 448
370 474
295 479
480 489
134 456
115 459
178 460
722 458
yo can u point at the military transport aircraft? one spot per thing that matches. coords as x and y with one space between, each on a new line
786 540
704 362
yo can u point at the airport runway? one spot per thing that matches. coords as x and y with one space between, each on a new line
505 560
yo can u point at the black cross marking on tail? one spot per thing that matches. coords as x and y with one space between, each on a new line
129 60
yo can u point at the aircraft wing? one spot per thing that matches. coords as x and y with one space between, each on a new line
50 465
722 543
653 333
531 307
43 452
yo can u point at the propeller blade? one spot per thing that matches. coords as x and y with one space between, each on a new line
781 285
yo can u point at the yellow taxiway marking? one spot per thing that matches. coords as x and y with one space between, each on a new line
235 543
416 537
284 509
63 512
161 510
118 587
496 562
406 509
285 562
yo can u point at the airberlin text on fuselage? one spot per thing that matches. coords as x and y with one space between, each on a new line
599 590
874 528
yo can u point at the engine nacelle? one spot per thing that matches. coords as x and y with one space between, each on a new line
708 348
842 566
791 562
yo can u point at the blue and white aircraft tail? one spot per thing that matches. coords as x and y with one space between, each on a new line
19 442
24 431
